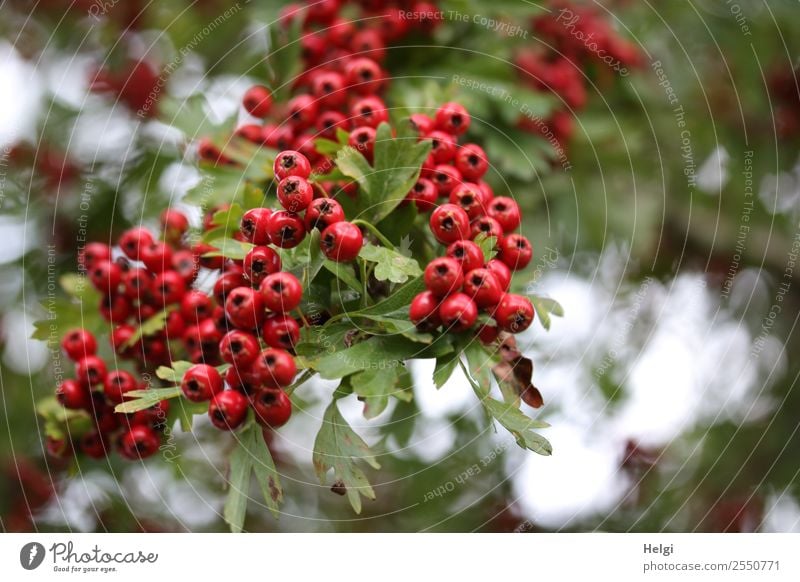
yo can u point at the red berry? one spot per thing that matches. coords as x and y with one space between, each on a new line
175 224
244 308
90 371
241 380
252 132
286 229
260 262
328 122
274 368
93 445
467 253
272 408
370 111
209 335
228 409
133 239
505 211
452 118
501 271
139 442
446 178
328 88
115 308
212 262
363 139
156 256
364 76
424 195
516 252
421 123
341 241
291 163
117 383
196 306
280 331
487 226
186 264
106 277
449 223
443 146
483 287
340 32
278 138
255 225
78 343
138 284
302 112
281 292
471 161
174 326
514 313
239 348
258 101
58 448
488 333
93 253
458 312
369 43
469 197
231 279
443 276
168 287
295 193
119 339
322 212
424 311
201 382
73 394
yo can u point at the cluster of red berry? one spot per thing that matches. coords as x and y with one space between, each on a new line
579 39
463 281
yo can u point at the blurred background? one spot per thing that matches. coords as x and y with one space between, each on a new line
664 208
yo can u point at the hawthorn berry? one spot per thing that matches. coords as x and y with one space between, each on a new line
280 331
231 279
274 368
295 193
93 445
328 88
516 251
424 195
321 213
78 343
369 42
201 382
90 371
449 223
514 313
328 122
228 409
260 262
341 241
471 161
174 224
244 308
421 123
291 163
488 334
505 211
487 226
458 312
443 146
255 225
73 394
93 253
364 76
281 292
424 311
446 177
370 111
156 256
363 139
106 277
302 112
139 442
239 348
117 383
196 305
168 287
501 271
469 197
133 239
252 132
257 101
467 253
452 118
483 287
186 264
443 276
272 408
119 338
115 308
286 229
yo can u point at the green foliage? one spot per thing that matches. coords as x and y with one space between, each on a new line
390 264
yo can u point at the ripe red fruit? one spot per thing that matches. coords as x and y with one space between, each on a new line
239 348
106 277
363 139
117 383
278 137
467 253
453 118
286 229
260 262
514 313
274 368
443 146
228 409
156 256
505 211
138 284
487 226
255 225
328 122
424 311
302 112
446 178
272 408
252 132
328 88
133 239
201 382
369 43
78 343
198 252
281 292
139 442
458 312
93 445
295 193
196 306
370 111
119 339
280 331
186 265
488 333
516 252
469 197
168 287
443 276
322 212
93 253
501 271
175 224
258 101
90 371
116 308
472 162
424 195
73 394
449 223
483 287
291 163
364 76
231 279
341 241
244 308
174 326
241 380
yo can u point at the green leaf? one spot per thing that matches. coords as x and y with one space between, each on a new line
396 304
252 442
241 465
391 265
230 248
343 272
146 398
305 260
487 245
375 386
149 327
338 447
519 425
77 286
327 147
479 364
284 61
377 351
184 411
545 307
175 373
445 366
228 217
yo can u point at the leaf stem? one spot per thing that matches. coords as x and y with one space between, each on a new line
371 227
